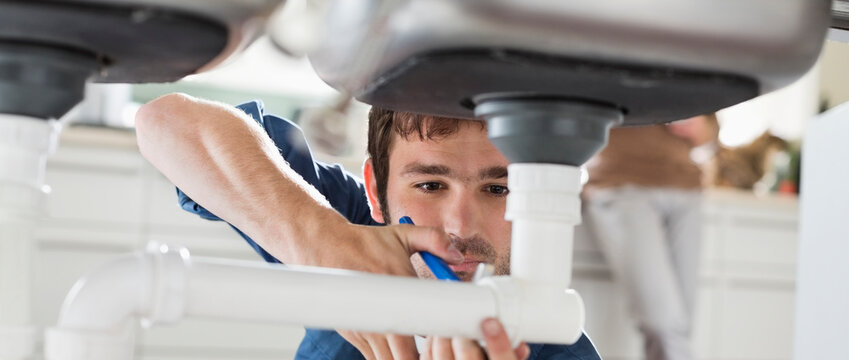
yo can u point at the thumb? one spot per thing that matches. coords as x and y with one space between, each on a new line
432 240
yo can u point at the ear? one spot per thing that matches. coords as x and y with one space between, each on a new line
371 191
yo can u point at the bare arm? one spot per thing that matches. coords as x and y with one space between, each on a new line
225 161
697 130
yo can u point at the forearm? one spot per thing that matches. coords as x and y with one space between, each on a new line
226 162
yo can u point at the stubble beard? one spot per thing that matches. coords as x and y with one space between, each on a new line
476 248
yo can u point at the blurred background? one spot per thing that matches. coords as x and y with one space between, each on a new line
106 200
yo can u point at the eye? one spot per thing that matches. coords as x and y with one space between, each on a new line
430 186
497 190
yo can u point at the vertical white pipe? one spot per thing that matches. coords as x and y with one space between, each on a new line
543 252
17 333
24 145
544 205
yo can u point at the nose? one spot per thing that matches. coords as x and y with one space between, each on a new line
461 214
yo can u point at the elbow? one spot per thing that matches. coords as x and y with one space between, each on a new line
156 113
162 118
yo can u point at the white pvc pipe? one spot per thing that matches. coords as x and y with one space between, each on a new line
164 285
545 254
17 333
544 205
97 317
105 299
96 320
550 314
329 298
538 312
24 145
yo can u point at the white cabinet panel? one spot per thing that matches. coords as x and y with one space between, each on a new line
211 338
757 323
80 193
608 323
770 243
705 324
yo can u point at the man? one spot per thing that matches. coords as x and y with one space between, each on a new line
443 173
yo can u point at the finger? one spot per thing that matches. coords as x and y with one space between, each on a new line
523 351
429 239
402 347
466 349
442 349
379 346
497 344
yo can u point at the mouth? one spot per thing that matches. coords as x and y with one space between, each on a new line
468 266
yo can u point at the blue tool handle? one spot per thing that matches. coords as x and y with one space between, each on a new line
437 266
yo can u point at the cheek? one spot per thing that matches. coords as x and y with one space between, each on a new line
421 214
498 231
403 202
501 239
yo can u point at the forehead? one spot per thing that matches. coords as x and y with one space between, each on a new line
468 147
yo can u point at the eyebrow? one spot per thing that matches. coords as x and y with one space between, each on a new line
493 172
424 169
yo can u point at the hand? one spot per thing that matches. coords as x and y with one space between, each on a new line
375 249
377 246
457 348
697 130
375 346
387 346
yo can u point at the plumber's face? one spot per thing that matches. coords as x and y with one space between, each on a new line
457 183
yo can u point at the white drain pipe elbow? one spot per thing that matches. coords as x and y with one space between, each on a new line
544 206
535 312
97 319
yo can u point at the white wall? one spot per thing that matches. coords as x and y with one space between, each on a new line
834 74
783 112
823 314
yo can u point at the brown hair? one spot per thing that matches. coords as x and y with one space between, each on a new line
384 123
